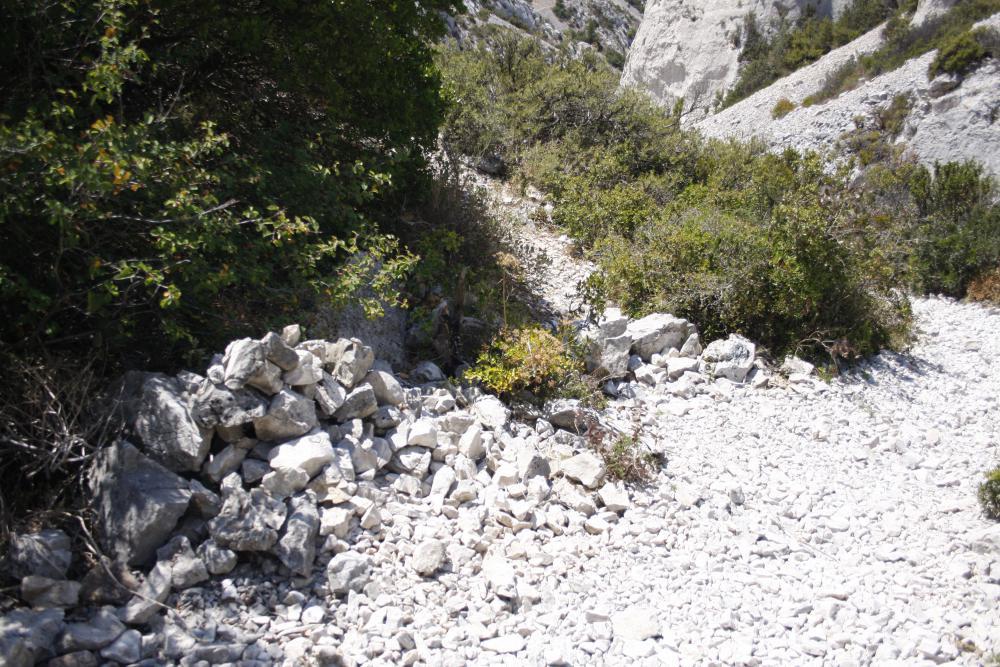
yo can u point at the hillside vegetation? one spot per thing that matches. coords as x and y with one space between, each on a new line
781 248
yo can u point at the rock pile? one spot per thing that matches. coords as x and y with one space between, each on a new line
312 464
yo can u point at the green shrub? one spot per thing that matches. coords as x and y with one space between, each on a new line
782 108
989 494
985 287
960 54
523 361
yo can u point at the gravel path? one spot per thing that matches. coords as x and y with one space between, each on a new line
835 525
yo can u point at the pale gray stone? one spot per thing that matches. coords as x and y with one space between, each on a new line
289 415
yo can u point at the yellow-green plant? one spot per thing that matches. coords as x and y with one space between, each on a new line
782 108
989 494
529 359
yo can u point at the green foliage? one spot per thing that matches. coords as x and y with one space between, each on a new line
193 166
765 60
528 360
962 53
989 494
782 108
626 458
561 11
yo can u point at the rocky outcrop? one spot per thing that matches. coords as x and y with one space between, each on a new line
950 119
687 49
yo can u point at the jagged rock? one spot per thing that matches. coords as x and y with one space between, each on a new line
267 379
336 521
291 335
794 365
167 431
253 470
309 370
423 433
310 453
471 443
44 592
278 352
137 502
387 417
27 637
93 634
149 597
297 547
614 496
427 557
607 358
289 415
586 468
247 521
491 412
691 347
656 333
368 454
348 571
75 659
217 405
426 372
359 404
678 366
567 414
349 360
186 568
224 462
329 395
731 358
442 481
217 559
414 461
572 497
387 389
204 501
45 554
127 649
243 359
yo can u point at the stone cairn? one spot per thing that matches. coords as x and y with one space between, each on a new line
286 452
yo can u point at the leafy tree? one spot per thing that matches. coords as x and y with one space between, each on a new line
173 170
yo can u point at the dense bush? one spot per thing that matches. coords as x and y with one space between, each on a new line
963 52
527 361
989 494
194 166
986 287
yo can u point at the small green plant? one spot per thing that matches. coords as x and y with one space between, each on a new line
529 360
783 107
625 457
989 494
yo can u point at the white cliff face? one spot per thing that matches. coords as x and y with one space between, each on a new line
690 49
948 121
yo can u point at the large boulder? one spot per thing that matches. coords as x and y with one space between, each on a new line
165 427
45 554
137 502
657 333
387 389
731 358
358 404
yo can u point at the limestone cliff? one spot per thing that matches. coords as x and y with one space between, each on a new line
690 49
